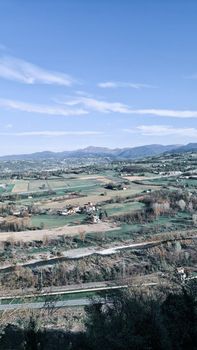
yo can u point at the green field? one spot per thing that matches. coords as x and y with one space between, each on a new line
122 208
52 221
172 181
162 224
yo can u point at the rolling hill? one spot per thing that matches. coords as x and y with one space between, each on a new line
91 151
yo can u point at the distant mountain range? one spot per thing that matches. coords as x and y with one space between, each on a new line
117 153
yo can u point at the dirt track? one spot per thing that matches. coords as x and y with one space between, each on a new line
39 235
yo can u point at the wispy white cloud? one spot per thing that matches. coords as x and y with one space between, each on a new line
85 105
93 104
83 93
167 113
25 72
162 130
41 109
117 107
122 84
52 133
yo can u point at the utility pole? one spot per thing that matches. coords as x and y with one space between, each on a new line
41 279
123 269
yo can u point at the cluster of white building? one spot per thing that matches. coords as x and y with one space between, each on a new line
88 208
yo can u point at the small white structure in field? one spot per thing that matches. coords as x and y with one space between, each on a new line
89 208
181 273
16 213
64 212
96 219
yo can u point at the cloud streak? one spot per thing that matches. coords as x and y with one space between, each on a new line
92 104
117 107
174 113
85 105
121 84
163 130
52 133
15 69
41 109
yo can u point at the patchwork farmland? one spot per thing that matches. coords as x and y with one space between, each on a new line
108 225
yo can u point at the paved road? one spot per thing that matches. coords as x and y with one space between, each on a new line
56 304
12 305
41 305
62 292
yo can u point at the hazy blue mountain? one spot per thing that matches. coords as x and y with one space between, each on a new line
190 147
91 151
145 151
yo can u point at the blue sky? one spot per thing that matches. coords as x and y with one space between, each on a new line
75 73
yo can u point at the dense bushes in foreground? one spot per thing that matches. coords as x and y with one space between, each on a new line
140 322
124 321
